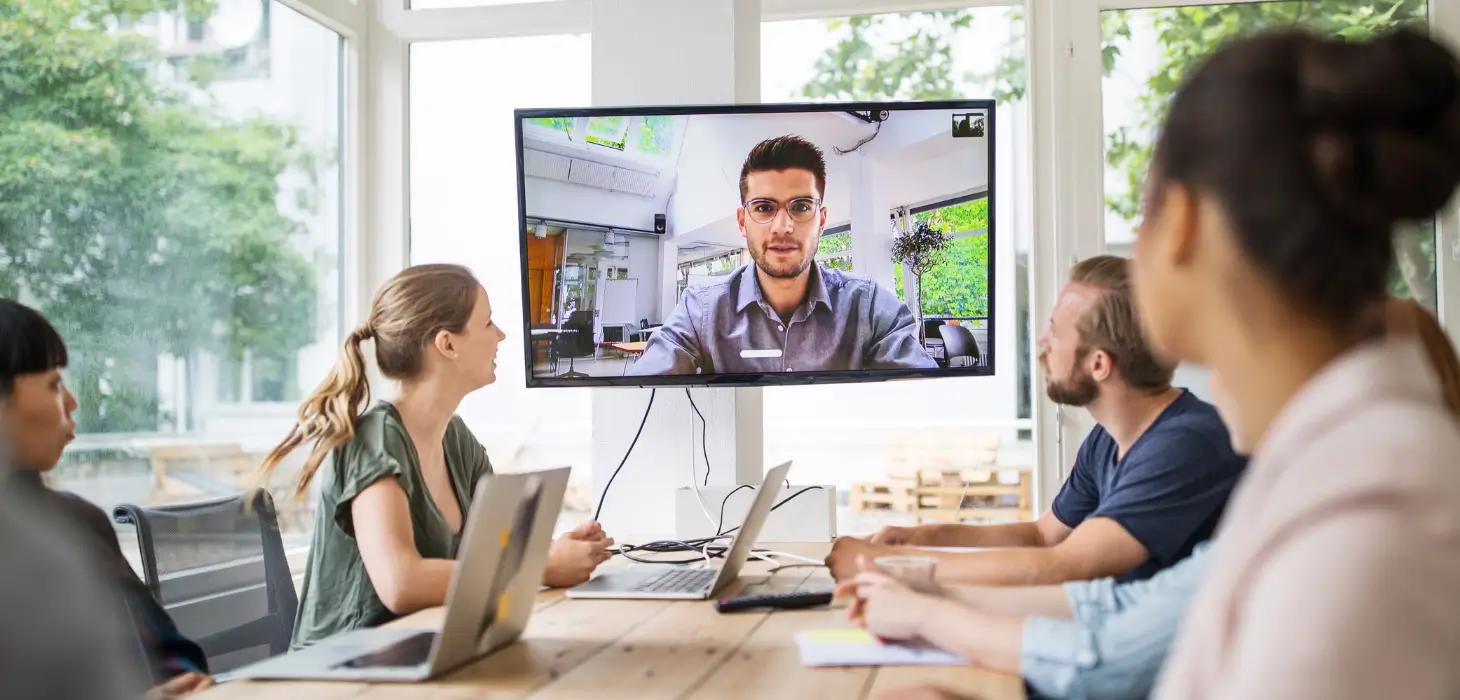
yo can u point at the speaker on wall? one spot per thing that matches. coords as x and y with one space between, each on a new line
659 223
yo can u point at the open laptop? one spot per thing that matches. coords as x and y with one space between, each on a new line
661 581
501 561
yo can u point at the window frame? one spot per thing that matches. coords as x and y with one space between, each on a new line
1065 41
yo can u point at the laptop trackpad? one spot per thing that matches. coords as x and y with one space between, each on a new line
414 650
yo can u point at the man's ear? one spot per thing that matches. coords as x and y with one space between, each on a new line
1100 366
740 220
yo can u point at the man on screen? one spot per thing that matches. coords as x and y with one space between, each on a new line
784 312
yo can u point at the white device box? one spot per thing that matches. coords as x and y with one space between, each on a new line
810 517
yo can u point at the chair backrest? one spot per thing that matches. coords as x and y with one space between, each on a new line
219 569
579 343
958 342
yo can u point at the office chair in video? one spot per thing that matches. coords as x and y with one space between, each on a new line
959 346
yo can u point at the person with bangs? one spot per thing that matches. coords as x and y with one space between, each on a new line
37 410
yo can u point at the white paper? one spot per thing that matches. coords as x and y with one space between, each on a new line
855 647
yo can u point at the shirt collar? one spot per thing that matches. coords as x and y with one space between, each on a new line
750 294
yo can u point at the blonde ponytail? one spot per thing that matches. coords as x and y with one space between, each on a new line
327 418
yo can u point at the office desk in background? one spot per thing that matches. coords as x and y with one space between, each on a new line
652 650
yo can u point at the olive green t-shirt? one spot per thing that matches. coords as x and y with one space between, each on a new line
337 595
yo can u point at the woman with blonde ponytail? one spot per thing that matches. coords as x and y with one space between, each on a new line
395 489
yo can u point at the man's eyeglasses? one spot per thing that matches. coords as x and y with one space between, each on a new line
801 209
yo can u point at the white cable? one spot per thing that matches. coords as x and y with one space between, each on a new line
794 557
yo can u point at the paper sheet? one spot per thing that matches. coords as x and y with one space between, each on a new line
857 647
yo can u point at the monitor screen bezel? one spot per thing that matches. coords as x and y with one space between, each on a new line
748 379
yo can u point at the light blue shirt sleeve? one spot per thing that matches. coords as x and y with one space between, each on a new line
1118 639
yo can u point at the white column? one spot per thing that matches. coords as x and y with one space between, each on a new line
658 52
1069 210
871 227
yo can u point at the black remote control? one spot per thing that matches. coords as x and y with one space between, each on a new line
779 601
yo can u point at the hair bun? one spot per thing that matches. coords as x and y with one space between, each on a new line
1384 116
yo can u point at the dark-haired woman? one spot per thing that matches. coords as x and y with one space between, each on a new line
36 408
1286 162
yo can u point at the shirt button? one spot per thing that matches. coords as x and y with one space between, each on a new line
1086 658
781 328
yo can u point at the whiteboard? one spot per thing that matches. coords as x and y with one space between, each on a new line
620 302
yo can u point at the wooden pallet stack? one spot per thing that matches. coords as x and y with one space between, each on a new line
948 477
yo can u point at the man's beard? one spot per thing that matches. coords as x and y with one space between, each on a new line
787 271
1078 390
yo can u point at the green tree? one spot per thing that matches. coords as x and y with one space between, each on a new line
137 217
1189 34
919 66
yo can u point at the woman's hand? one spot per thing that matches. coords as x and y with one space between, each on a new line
885 606
180 685
573 557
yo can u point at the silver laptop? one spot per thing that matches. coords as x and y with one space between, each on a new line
683 582
501 562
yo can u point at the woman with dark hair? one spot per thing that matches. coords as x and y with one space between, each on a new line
1285 165
36 408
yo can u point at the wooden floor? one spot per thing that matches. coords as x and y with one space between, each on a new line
650 650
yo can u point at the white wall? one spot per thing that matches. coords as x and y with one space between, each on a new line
644 266
707 190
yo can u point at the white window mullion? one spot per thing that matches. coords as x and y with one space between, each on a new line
1445 23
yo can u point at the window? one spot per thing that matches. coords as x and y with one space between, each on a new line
463 209
944 54
835 250
655 134
608 131
167 217
1147 52
956 288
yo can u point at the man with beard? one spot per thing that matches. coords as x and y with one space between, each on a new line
1149 483
784 312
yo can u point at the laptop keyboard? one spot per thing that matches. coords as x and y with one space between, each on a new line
678 581
414 650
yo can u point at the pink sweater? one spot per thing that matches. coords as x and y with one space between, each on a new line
1336 569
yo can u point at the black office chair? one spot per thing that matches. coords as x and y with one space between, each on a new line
577 341
959 346
219 569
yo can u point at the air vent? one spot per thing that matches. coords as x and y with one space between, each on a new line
545 165
552 166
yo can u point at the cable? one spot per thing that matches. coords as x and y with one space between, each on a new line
598 511
720 526
704 429
778 505
843 151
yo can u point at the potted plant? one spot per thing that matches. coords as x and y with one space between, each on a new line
920 248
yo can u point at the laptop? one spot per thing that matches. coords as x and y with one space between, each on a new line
501 561
678 582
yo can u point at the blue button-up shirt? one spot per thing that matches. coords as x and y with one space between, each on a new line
1118 639
846 323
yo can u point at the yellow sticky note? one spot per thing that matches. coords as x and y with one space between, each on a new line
849 635
506 537
502 606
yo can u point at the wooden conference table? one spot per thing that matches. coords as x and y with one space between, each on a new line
648 650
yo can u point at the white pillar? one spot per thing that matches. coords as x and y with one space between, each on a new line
673 52
871 225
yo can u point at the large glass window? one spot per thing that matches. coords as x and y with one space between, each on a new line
463 206
1149 51
944 54
170 200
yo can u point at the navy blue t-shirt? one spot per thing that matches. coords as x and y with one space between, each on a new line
1168 491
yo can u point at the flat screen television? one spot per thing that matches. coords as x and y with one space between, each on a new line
757 244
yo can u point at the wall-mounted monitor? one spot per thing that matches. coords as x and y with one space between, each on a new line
757 244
